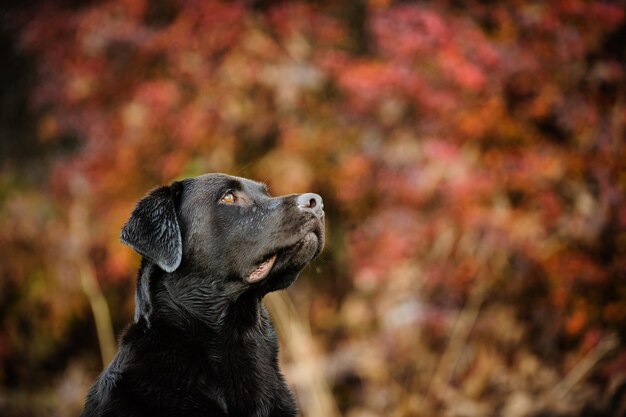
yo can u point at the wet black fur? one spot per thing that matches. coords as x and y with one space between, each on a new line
202 343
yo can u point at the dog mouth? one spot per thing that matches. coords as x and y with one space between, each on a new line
290 257
262 270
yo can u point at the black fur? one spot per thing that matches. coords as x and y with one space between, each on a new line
153 230
202 343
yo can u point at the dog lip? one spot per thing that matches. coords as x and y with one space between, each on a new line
282 256
317 234
262 270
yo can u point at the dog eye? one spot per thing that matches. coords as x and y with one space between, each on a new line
229 198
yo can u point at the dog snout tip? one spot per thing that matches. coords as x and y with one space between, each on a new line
311 202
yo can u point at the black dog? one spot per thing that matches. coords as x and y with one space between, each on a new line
202 343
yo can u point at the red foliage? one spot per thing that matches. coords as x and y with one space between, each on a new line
477 145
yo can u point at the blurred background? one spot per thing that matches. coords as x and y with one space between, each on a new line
471 157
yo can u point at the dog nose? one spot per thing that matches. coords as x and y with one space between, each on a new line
311 202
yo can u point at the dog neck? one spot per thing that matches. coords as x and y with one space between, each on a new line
188 299
143 301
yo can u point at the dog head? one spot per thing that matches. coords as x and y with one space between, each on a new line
227 229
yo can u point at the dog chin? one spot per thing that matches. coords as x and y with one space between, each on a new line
291 260
308 249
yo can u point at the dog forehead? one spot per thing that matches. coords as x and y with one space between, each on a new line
210 183
204 190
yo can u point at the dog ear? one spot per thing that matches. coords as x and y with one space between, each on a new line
153 230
